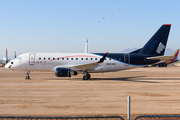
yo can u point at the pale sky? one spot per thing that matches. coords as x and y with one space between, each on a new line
65 25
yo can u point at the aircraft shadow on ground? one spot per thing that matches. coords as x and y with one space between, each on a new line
160 78
130 79
136 79
141 79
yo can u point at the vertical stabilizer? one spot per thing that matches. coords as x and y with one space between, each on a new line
157 44
86 47
6 56
14 54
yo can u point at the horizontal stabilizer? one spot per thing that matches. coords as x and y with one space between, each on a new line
162 58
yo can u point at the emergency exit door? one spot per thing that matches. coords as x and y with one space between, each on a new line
31 58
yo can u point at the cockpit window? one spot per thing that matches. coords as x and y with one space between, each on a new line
18 58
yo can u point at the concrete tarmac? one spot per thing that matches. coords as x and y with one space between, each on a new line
152 90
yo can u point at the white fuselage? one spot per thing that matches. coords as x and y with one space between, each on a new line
50 61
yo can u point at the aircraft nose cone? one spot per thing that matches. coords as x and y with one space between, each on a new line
7 66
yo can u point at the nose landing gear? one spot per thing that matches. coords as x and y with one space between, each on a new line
27 77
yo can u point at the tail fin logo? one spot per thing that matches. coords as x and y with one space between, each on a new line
160 48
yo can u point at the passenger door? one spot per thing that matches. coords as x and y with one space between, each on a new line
31 58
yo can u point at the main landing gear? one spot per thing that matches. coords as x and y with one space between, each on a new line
86 75
27 77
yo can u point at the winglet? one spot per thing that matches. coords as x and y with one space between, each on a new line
176 53
103 58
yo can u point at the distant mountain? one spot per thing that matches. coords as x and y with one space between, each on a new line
128 50
168 51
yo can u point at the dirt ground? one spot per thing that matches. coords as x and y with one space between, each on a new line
152 91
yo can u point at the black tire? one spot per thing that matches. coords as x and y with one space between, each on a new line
89 76
85 77
27 77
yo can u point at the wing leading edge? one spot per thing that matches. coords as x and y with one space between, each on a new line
83 67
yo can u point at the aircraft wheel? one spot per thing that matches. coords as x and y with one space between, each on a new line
86 77
89 76
27 77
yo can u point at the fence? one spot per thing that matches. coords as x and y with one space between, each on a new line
158 117
143 117
62 118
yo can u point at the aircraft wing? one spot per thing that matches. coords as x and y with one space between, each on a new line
162 58
84 66
88 66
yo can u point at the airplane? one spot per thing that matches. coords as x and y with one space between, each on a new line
3 62
68 64
174 58
5 59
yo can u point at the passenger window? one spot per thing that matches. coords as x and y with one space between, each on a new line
86 58
95 58
53 58
67 58
44 58
81 58
57 58
48 58
91 58
71 58
62 58
76 58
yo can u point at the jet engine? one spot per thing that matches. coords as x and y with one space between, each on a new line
64 72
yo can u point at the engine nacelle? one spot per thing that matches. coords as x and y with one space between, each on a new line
71 72
64 72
